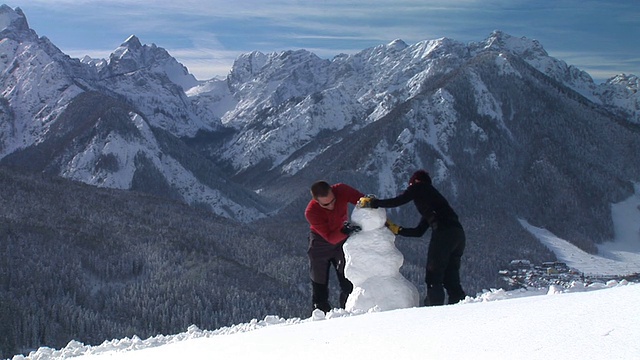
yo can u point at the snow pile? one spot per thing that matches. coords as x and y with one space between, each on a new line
373 266
76 348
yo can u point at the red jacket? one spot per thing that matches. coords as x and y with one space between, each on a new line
328 223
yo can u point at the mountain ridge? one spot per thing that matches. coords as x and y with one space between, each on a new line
278 113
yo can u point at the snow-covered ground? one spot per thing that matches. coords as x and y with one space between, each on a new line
577 323
574 323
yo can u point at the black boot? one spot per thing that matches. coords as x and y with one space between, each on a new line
435 295
320 297
456 294
346 287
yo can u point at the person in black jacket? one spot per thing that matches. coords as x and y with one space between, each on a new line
447 236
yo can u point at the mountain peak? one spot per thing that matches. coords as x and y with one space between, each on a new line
397 44
12 19
133 49
632 82
132 42
528 48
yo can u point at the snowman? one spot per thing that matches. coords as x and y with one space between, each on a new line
373 266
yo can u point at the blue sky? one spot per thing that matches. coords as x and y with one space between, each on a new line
600 37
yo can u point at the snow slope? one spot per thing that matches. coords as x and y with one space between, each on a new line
619 257
581 324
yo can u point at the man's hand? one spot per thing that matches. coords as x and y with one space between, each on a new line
349 228
395 229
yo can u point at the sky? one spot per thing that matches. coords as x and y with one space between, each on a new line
597 36
583 321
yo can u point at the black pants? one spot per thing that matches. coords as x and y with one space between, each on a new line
322 256
443 266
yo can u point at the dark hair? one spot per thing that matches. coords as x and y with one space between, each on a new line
420 175
320 189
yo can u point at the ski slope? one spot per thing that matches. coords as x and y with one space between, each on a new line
618 257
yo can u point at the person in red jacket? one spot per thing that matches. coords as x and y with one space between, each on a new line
327 214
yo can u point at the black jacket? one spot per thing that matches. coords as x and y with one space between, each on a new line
434 208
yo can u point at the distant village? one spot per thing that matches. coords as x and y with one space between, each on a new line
522 274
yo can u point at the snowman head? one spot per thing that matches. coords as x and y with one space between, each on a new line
369 219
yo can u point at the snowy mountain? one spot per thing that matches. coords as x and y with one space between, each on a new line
621 95
108 123
37 82
281 113
287 99
520 143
